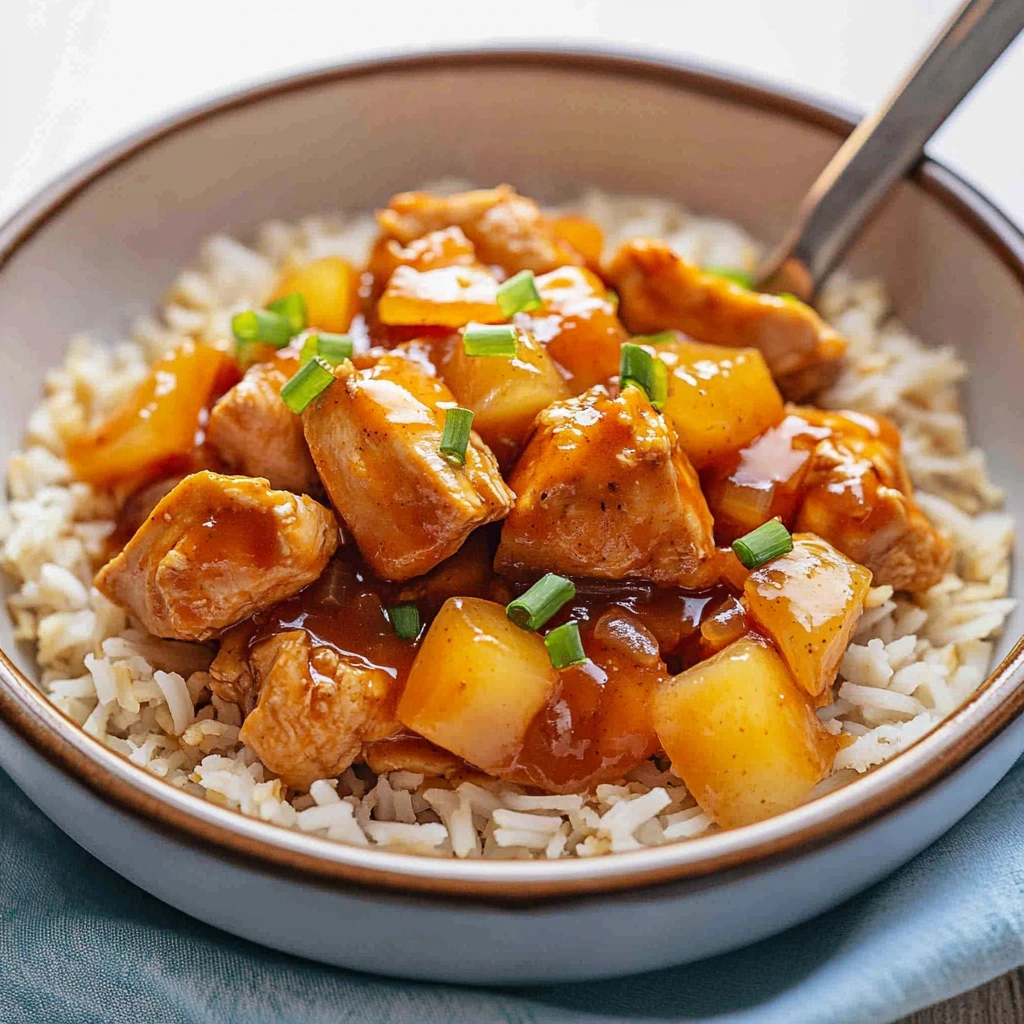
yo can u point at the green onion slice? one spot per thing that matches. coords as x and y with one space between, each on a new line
293 308
258 325
564 645
489 340
312 379
541 601
455 436
740 277
655 339
405 621
638 368
519 295
760 546
332 348
789 297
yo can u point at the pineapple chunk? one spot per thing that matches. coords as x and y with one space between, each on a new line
504 394
443 297
330 288
742 735
477 683
584 235
809 602
719 398
153 433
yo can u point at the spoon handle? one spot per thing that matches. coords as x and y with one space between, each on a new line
887 143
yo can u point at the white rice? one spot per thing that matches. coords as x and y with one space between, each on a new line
912 662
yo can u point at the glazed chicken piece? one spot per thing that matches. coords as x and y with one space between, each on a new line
578 325
857 495
231 678
507 229
839 475
215 550
316 708
659 290
375 438
407 752
604 490
256 434
447 247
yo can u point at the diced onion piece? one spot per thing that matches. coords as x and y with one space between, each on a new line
312 379
623 631
518 295
760 546
455 437
541 601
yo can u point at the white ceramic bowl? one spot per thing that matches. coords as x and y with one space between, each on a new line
100 246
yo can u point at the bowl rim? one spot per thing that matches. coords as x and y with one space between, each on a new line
225 832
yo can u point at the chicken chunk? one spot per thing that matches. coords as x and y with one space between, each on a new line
506 228
659 290
857 495
255 433
578 325
839 475
407 752
448 247
604 490
375 437
316 708
214 551
231 678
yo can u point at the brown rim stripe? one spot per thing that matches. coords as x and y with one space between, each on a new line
228 833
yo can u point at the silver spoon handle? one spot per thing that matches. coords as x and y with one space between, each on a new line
886 144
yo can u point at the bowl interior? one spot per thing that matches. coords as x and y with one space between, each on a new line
349 142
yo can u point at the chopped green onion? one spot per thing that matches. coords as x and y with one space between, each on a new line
789 297
613 300
638 368
564 645
293 308
541 601
455 436
740 277
519 295
405 621
333 348
257 325
760 546
655 339
489 340
311 380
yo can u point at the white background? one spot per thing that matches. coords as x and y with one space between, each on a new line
76 74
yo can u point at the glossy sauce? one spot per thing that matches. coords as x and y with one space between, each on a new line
233 536
596 727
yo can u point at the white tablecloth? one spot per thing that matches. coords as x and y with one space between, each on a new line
77 74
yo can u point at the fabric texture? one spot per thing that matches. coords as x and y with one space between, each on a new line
80 945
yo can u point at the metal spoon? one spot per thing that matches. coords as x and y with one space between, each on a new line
886 144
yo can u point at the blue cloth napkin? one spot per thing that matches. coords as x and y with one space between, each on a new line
80 945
